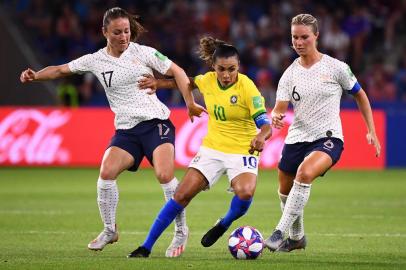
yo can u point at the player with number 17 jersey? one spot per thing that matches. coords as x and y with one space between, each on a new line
119 78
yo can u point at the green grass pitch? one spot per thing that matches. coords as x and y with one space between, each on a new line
354 220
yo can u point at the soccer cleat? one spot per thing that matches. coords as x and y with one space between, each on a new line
274 241
104 238
140 252
178 243
288 245
213 234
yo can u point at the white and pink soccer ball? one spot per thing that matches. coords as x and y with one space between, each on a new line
245 243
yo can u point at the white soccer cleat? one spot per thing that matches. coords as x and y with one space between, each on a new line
274 241
104 238
178 244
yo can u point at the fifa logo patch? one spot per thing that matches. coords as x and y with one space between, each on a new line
233 99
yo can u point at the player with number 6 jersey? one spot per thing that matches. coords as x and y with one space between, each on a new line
141 120
313 84
231 146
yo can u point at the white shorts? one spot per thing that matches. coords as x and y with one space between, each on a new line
213 164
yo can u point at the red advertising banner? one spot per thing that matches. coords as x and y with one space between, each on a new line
78 137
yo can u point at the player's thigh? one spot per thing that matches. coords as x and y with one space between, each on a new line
192 183
244 185
285 181
158 146
209 163
164 162
115 160
242 171
314 165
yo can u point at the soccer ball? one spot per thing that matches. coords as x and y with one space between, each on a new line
246 243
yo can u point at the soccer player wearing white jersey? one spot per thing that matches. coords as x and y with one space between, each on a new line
313 84
141 120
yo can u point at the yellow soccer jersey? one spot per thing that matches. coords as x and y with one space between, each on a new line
231 112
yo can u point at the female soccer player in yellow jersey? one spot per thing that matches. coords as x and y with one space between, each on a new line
236 109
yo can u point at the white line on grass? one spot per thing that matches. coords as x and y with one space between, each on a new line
349 235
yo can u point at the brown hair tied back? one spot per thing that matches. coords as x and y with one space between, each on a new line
207 48
135 26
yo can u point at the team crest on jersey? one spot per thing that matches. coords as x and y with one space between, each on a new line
325 77
136 61
233 99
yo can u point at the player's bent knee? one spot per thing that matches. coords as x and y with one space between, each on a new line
182 198
164 176
108 172
245 194
305 176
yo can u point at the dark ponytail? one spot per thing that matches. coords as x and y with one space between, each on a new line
211 48
135 26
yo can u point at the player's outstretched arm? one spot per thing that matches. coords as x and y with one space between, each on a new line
365 108
48 73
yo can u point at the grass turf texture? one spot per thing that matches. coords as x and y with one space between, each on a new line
354 220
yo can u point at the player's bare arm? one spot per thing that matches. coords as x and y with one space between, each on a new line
278 113
366 111
48 73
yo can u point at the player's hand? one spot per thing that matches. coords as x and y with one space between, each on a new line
277 120
149 83
195 109
27 75
373 139
257 144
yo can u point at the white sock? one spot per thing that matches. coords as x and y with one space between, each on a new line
296 201
107 199
296 231
169 190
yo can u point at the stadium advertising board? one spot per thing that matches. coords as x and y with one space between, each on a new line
78 137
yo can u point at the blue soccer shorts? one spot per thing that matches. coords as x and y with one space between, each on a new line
294 154
141 140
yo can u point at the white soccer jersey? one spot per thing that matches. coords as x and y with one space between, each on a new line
119 78
315 93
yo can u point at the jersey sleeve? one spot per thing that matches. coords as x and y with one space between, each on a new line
200 81
82 64
254 100
347 79
282 93
156 60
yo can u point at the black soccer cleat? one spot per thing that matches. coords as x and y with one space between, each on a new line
213 234
140 252
288 245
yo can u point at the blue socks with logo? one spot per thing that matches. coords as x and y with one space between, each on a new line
162 221
237 209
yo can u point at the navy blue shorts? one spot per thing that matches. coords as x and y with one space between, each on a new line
294 154
141 140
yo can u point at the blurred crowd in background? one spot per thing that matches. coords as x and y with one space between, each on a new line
369 35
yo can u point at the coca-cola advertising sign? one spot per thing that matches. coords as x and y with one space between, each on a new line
29 136
79 137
